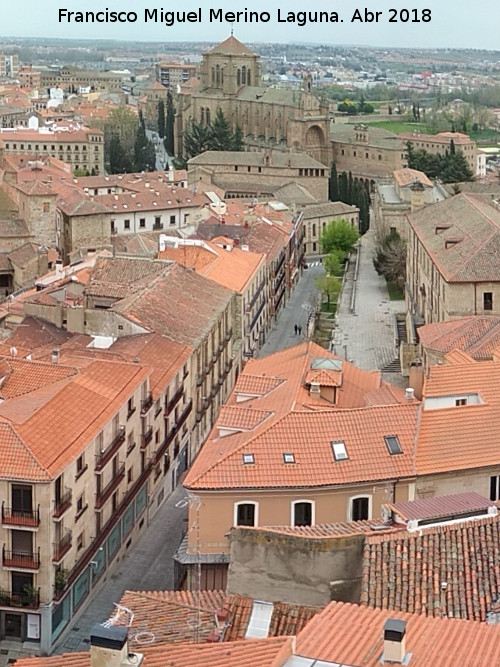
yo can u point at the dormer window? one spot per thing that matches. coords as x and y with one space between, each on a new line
460 401
248 458
339 450
288 457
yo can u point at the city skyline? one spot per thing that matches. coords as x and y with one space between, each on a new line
452 25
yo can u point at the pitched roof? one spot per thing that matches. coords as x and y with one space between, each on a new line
330 208
33 333
407 176
456 437
304 425
405 571
353 635
478 335
245 158
462 237
118 277
442 507
231 47
186 320
23 376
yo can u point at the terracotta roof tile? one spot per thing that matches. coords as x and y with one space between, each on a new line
479 336
406 176
241 418
23 376
117 277
404 571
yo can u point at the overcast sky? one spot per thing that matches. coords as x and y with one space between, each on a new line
454 23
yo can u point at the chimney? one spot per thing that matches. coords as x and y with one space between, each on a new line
109 648
417 192
55 355
409 393
394 641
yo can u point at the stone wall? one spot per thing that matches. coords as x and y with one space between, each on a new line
272 567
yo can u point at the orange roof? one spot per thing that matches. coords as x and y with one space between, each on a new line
460 437
407 176
23 376
270 652
350 634
233 269
75 407
232 46
478 335
298 423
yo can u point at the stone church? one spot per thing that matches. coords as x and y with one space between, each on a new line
278 118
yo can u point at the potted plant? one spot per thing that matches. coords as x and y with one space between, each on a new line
61 579
29 595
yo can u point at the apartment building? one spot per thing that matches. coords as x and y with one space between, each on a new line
9 65
292 450
72 78
79 146
29 78
171 74
238 269
452 259
71 503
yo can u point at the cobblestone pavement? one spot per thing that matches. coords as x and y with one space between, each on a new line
294 312
366 337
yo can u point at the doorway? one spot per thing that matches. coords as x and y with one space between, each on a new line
12 626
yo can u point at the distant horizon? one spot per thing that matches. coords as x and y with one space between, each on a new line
461 23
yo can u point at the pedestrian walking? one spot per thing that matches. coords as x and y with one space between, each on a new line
299 328
296 328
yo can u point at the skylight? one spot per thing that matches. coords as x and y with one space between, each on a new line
339 450
288 457
248 458
393 444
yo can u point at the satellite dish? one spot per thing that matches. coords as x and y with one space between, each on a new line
13 351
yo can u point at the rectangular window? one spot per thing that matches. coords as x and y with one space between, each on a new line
80 541
142 222
302 514
495 487
460 401
172 219
359 509
245 515
487 300
126 224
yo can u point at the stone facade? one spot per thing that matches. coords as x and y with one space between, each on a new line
317 217
230 80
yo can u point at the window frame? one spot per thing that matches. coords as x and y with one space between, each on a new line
360 496
299 501
238 504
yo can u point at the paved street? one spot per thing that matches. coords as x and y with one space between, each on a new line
148 566
294 312
367 334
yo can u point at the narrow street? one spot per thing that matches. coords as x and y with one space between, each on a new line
148 566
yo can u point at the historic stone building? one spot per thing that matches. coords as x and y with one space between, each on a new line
281 118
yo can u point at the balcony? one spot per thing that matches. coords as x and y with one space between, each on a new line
22 518
147 436
175 399
103 495
146 404
29 600
62 503
111 450
62 547
21 560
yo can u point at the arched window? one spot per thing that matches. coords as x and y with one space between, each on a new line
243 75
238 78
207 116
314 229
217 75
248 77
246 514
302 513
202 115
360 508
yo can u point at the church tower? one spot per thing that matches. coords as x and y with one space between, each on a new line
229 66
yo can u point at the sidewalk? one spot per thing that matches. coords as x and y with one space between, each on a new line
366 336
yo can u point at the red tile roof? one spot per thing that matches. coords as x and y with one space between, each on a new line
404 571
479 336
353 635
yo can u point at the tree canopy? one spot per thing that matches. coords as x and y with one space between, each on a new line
339 235
390 258
450 167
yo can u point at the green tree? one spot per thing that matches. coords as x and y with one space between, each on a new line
350 189
169 124
119 158
339 235
343 186
222 136
197 139
237 140
121 122
363 203
329 286
333 262
333 184
161 118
